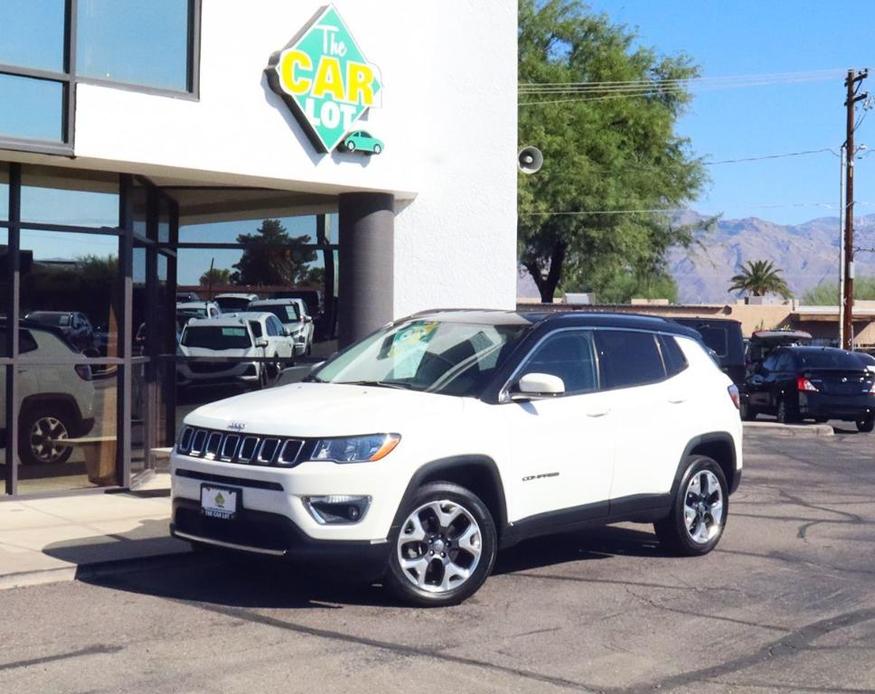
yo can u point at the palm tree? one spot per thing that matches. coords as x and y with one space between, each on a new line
215 275
760 277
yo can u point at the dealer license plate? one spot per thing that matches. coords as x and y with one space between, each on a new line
220 502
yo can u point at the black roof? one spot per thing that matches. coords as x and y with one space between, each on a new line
583 319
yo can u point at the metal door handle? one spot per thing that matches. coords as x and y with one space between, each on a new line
597 413
677 400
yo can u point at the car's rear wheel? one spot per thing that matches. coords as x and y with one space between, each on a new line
350 146
698 515
43 431
444 548
866 425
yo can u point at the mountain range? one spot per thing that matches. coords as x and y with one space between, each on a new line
807 254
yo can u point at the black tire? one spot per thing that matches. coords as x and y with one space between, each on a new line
748 413
784 414
37 424
866 425
673 531
402 583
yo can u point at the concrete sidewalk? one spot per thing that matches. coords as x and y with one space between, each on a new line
54 539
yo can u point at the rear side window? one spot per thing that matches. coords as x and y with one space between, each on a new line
628 358
672 355
715 337
568 355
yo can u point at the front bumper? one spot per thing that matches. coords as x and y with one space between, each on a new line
274 535
245 373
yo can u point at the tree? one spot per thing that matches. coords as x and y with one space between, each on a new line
624 287
271 256
827 293
605 152
760 277
215 276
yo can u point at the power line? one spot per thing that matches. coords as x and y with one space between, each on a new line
776 76
802 153
551 213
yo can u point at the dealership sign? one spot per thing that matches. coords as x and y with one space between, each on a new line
326 80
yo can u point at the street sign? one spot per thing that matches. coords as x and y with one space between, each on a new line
325 79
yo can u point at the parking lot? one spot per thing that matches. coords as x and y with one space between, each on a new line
786 603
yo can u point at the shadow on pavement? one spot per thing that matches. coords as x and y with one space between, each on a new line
245 581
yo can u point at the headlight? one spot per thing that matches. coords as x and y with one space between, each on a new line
355 449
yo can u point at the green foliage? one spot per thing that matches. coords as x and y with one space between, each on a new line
600 154
271 256
827 293
760 277
620 288
216 276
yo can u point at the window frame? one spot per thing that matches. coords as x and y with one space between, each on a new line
589 335
69 79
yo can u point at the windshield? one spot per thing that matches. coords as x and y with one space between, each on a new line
232 303
432 356
287 313
828 359
215 337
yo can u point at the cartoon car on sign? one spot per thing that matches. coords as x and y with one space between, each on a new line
360 141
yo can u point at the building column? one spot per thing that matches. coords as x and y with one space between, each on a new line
367 241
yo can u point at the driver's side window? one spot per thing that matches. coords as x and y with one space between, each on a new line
568 354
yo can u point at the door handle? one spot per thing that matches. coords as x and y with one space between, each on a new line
677 399
598 413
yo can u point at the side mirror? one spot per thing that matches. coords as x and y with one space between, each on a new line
316 366
308 319
261 342
534 386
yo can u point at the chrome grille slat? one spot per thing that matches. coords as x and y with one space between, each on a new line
232 447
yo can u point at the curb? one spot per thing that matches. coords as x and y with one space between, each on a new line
87 572
791 429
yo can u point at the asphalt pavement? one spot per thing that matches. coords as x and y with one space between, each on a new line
785 604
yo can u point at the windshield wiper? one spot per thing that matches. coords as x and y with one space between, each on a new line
380 384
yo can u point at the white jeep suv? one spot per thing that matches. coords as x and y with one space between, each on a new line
419 452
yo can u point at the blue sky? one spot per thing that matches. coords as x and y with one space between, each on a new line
744 37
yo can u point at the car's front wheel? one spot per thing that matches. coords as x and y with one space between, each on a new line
42 433
444 548
698 515
866 425
350 146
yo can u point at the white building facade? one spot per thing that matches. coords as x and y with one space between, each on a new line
150 141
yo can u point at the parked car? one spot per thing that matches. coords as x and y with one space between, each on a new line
364 142
230 339
867 359
74 325
187 310
57 401
228 303
418 452
312 299
280 344
819 383
291 313
723 336
763 342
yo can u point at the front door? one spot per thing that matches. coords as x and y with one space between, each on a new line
562 447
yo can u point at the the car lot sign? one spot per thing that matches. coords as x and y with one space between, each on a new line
325 78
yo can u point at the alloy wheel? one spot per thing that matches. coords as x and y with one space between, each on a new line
439 546
703 507
45 434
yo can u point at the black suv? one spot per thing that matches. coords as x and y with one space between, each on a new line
723 337
818 383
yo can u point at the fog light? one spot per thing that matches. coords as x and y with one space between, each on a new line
337 509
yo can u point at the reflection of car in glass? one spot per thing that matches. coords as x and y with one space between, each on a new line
195 309
295 320
266 325
75 326
361 141
57 401
867 359
228 303
820 383
221 337
184 297
419 451
724 337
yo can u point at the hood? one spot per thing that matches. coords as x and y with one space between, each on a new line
206 352
327 409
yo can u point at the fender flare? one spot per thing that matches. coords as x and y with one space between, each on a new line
723 437
435 467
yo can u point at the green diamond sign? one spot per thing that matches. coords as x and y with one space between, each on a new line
326 79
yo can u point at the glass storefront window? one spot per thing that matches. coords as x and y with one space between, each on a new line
71 284
63 403
32 33
136 42
57 196
31 109
300 230
4 193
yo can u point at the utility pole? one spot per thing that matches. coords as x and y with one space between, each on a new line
853 82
